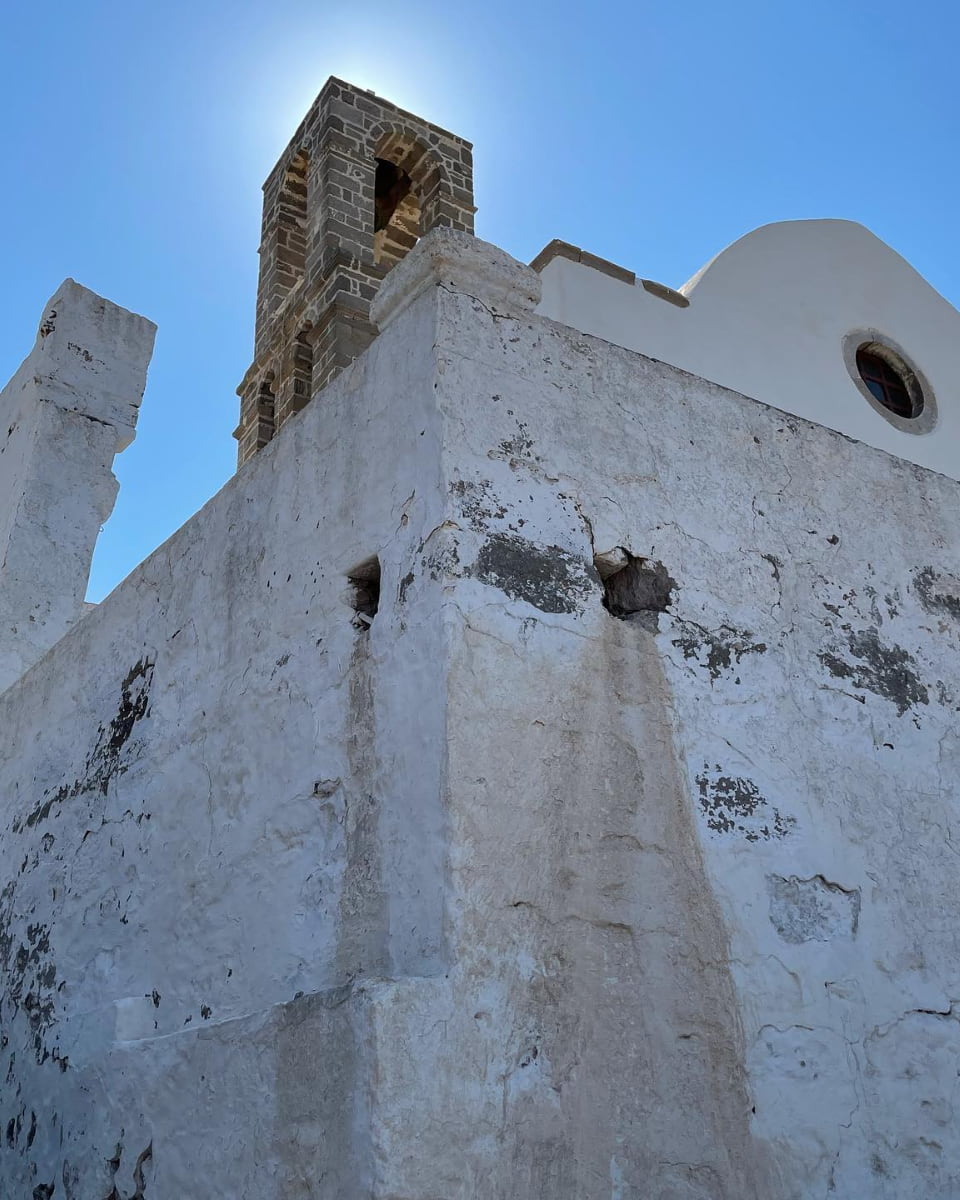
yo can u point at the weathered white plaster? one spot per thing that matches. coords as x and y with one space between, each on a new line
769 317
503 896
811 677
230 803
69 409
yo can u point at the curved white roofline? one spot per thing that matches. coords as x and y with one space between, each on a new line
774 316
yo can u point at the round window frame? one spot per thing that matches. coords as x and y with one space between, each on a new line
918 387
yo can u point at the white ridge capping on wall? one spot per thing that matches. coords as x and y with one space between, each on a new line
91 357
69 409
462 263
772 317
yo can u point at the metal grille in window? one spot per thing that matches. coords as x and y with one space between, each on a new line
886 384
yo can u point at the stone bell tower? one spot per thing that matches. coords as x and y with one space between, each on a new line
359 183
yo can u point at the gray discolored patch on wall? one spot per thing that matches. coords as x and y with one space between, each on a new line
887 671
477 502
939 594
735 806
807 910
551 579
717 650
105 761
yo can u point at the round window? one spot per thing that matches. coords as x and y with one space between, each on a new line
894 388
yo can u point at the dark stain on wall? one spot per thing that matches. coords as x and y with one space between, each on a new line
139 1168
519 446
28 975
550 579
71 1180
403 586
887 671
724 647
734 805
104 762
443 559
939 594
477 501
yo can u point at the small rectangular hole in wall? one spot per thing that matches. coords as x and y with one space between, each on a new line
364 580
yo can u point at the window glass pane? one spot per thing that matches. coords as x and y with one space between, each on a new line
899 401
887 383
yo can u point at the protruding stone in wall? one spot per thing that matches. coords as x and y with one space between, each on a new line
359 183
69 409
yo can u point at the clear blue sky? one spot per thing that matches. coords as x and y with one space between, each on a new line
135 138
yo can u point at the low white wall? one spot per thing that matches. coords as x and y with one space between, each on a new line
768 317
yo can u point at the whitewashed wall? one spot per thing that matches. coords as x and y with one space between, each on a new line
795 716
769 317
222 822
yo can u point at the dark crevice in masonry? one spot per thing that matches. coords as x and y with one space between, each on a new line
95 420
365 581
139 1180
634 589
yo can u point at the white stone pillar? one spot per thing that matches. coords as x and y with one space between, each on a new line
67 411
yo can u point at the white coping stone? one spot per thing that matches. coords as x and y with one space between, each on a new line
448 257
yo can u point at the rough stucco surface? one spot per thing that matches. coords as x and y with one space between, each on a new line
207 839
507 896
810 660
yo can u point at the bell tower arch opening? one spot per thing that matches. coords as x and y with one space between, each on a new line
292 221
396 226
